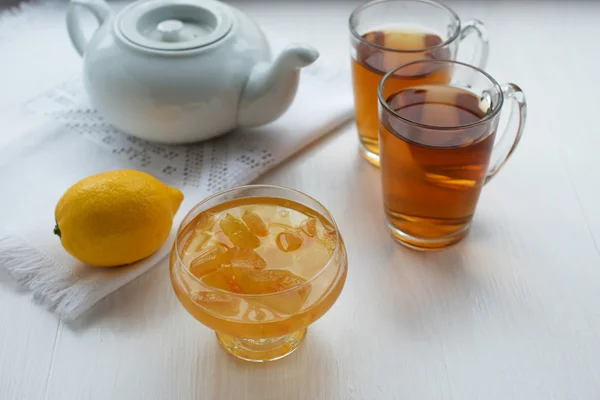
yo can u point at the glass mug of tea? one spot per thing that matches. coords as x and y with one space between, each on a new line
388 33
438 147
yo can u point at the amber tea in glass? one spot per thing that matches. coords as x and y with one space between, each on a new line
258 264
436 143
389 33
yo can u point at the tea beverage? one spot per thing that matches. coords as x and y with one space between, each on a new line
439 148
382 51
258 270
432 178
386 34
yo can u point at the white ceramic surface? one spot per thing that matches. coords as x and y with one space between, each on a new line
180 71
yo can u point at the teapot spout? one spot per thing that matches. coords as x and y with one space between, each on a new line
271 88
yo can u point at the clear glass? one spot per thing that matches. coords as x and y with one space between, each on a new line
385 34
439 147
280 329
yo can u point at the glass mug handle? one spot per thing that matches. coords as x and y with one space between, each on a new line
507 142
476 26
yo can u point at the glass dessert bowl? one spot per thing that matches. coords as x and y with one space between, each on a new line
258 264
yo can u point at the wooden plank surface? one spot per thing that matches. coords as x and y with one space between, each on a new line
509 313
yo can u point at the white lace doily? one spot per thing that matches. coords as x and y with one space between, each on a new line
212 165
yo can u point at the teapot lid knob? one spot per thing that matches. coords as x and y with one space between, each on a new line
170 29
174 25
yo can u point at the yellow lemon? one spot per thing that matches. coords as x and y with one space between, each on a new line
116 217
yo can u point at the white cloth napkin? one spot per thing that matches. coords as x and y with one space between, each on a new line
63 139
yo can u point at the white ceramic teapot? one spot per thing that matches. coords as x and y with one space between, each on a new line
179 71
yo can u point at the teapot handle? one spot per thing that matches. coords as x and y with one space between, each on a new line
98 8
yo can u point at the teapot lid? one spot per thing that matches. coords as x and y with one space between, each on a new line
174 25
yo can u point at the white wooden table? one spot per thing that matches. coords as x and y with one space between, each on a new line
512 312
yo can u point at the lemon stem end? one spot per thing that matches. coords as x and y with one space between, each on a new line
56 230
